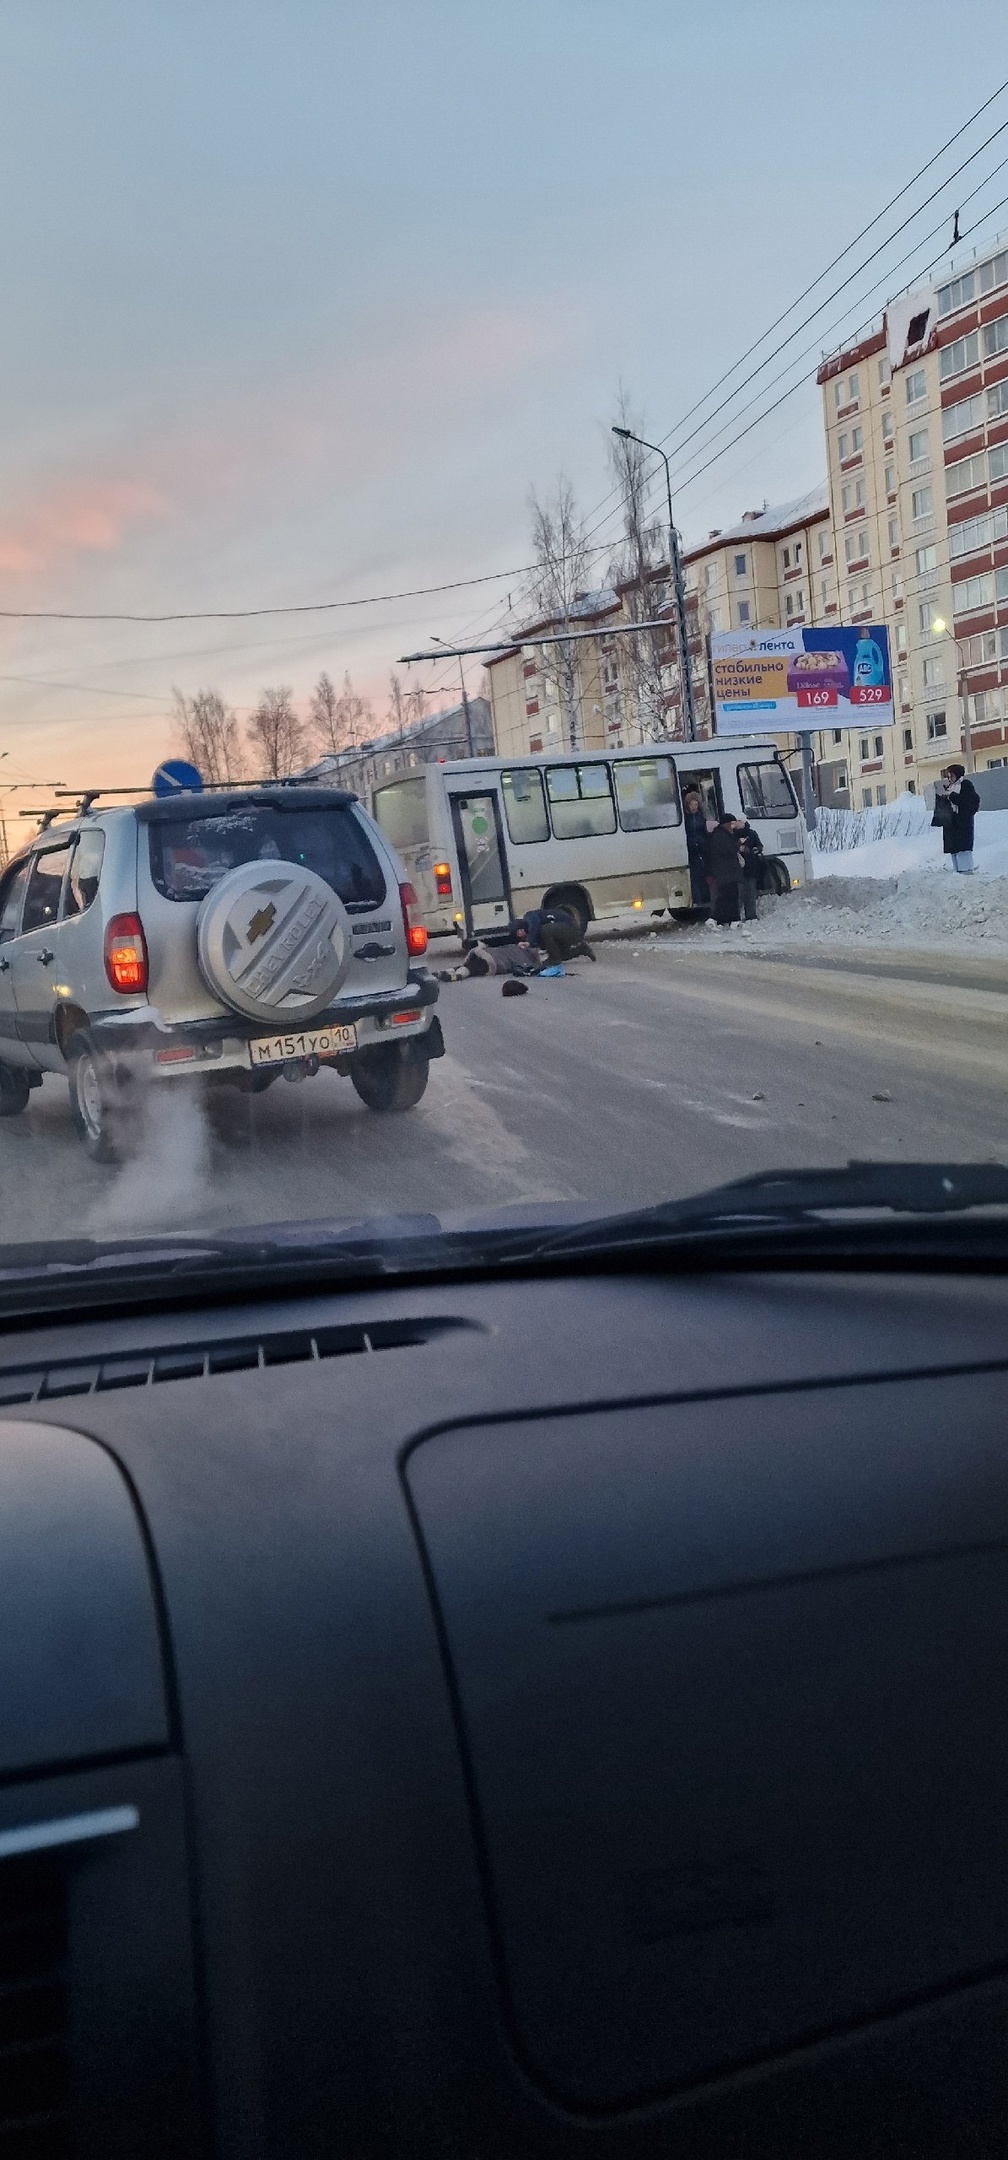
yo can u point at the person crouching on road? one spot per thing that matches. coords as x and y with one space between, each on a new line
751 851
956 806
724 869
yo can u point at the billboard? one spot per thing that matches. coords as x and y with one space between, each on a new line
777 680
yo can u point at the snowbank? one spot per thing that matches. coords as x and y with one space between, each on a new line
923 910
912 844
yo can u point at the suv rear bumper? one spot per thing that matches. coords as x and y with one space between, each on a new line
142 1034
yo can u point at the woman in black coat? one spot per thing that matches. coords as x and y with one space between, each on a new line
724 869
956 806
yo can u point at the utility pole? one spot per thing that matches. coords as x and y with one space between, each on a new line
675 566
467 716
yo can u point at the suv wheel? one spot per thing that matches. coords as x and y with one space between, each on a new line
14 1091
391 1076
97 1127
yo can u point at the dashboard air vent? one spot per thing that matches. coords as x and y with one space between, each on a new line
34 2023
199 1361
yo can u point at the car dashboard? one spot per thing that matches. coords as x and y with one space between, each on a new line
543 1717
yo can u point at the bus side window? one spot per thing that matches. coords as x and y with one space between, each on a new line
524 807
581 801
646 793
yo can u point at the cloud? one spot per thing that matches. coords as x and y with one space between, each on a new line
74 518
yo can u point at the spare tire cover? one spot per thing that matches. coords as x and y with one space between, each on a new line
273 941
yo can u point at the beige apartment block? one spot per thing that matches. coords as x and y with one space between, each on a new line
916 417
533 708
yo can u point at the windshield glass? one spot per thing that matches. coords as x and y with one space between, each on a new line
503 721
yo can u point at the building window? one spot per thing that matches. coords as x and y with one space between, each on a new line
904 690
957 294
856 545
887 428
890 479
852 495
866 797
863 749
894 532
919 440
908 738
825 546
976 592
852 388
743 611
881 796
997 400
901 637
927 559
934 673
937 729
708 576
964 353
995 337
838 734
857 440
843 447
740 565
884 370
826 589
797 553
924 614
859 597
917 327
840 783
879 746
922 502
786 558
960 419
966 474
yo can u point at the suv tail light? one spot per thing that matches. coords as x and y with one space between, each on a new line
416 935
442 880
126 953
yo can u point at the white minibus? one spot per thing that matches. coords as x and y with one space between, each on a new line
484 839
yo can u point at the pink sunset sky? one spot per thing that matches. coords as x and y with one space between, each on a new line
300 302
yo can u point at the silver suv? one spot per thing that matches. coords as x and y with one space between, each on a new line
227 937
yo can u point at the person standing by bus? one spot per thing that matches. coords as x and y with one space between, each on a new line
696 846
751 851
724 869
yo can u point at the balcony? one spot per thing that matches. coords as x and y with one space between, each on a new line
918 467
924 524
927 581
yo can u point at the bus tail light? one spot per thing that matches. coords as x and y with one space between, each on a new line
416 935
442 880
126 953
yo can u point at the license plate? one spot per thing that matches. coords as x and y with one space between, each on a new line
288 1049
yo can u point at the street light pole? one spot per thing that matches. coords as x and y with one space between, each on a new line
941 629
675 566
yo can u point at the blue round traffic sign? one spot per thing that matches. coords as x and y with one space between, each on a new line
175 777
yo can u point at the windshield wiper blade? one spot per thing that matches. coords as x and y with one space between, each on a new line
787 1200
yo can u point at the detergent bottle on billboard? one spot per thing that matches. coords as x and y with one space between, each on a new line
869 666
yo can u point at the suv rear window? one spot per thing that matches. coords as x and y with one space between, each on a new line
189 856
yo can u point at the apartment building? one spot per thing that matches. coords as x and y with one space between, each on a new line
546 698
916 420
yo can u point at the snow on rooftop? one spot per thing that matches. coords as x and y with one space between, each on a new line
765 524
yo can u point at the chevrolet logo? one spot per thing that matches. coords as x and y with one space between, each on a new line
261 921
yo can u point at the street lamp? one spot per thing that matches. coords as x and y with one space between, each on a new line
685 678
465 701
941 629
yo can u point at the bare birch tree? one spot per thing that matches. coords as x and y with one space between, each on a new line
209 734
643 548
323 714
278 735
557 581
405 707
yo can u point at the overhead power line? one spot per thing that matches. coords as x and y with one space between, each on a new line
308 607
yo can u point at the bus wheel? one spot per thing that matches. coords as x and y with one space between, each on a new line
778 880
574 903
